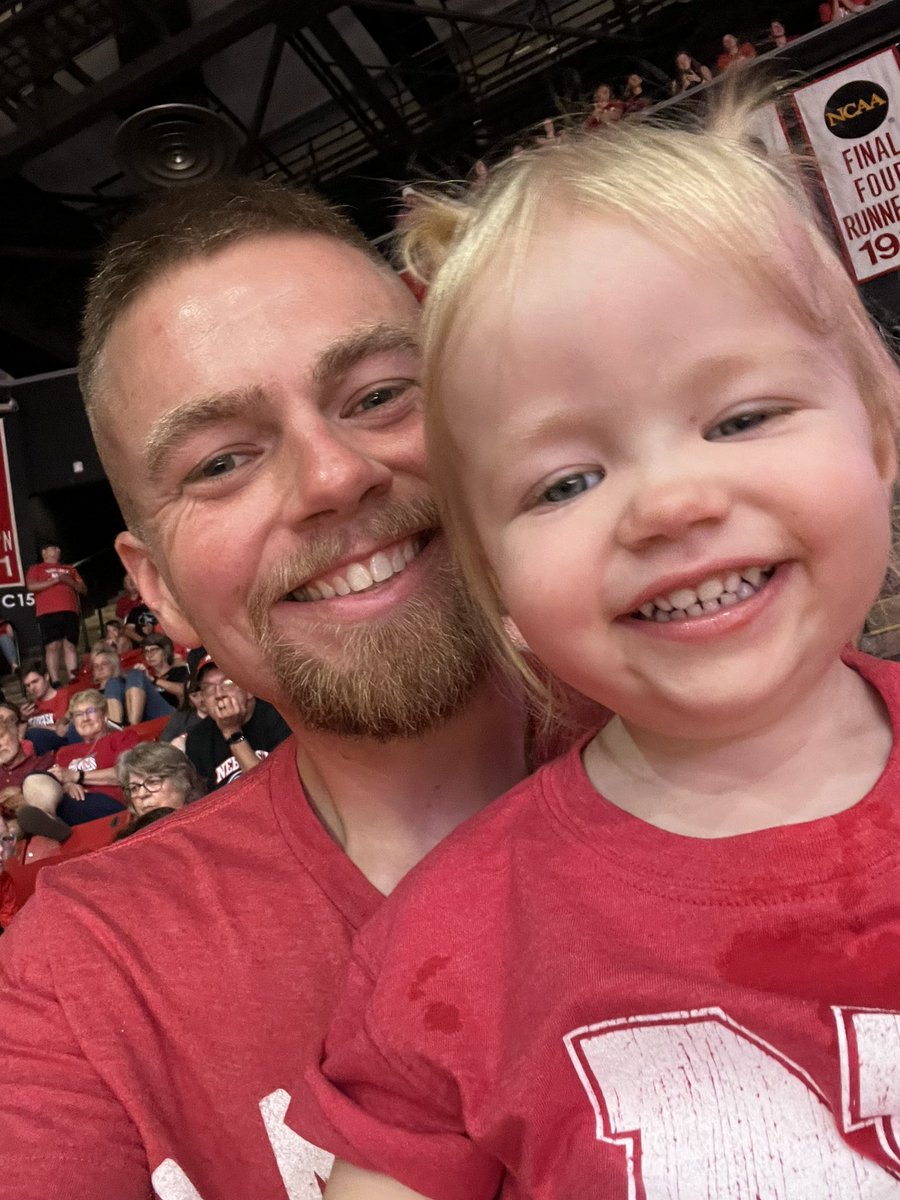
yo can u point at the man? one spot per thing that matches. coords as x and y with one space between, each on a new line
46 705
250 371
56 588
18 760
239 732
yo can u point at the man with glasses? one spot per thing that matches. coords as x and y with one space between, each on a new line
237 734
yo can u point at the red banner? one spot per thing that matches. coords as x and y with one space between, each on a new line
11 573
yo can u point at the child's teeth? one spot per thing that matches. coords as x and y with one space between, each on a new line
709 596
647 609
732 582
710 590
663 603
754 576
683 598
745 590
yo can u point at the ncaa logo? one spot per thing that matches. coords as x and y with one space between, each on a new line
856 109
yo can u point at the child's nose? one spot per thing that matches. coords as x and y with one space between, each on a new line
670 508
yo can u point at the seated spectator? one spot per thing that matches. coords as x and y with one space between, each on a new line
82 785
239 731
154 775
734 53
18 759
46 706
114 636
9 646
777 37
119 687
160 671
834 10
188 716
606 110
140 622
130 598
634 96
689 73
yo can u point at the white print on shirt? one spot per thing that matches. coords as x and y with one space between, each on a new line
304 1168
83 764
870 1072
231 766
40 719
702 1108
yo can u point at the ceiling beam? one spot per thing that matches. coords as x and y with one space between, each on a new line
66 115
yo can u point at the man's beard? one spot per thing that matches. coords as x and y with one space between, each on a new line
396 677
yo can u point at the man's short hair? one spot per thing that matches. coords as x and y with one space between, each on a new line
35 667
187 223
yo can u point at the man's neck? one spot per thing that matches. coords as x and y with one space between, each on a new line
818 757
388 803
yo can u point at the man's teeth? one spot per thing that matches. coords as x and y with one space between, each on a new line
720 591
362 575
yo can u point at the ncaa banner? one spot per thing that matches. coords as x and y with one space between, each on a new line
850 120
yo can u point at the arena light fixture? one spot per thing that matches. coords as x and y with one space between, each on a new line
169 145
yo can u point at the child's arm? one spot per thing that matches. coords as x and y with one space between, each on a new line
353 1183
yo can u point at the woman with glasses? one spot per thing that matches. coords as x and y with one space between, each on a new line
82 785
155 775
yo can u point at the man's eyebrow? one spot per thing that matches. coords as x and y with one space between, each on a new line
175 426
344 354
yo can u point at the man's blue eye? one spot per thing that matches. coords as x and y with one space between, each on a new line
379 398
220 465
570 486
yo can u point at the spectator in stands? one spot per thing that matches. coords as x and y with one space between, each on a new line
239 732
140 622
9 645
17 760
154 775
777 36
689 73
46 705
129 598
834 10
190 713
162 674
634 96
606 111
734 53
82 785
109 678
56 587
114 636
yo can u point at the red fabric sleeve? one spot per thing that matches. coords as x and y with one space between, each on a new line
383 1115
65 1134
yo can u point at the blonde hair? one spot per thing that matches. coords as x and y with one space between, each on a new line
704 186
91 695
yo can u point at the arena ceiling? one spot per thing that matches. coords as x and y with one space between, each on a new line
349 98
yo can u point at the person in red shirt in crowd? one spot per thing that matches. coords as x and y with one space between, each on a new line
834 10
18 759
606 111
734 53
82 783
46 706
128 600
56 588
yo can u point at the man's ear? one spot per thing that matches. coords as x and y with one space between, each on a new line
137 559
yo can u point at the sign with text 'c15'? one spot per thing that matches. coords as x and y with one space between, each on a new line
850 119
11 573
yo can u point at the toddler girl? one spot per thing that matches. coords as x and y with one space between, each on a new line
668 964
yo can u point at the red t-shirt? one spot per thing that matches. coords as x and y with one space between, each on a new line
105 753
125 604
48 712
13 776
59 598
564 1001
162 998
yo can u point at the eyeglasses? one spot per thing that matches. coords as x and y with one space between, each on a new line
208 688
150 785
86 712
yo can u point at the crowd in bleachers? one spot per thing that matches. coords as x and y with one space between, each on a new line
139 728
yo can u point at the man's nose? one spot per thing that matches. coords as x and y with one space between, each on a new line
335 474
667 509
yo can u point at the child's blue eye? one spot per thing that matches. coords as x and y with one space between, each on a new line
737 424
570 486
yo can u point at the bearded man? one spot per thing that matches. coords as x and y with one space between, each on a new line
249 368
